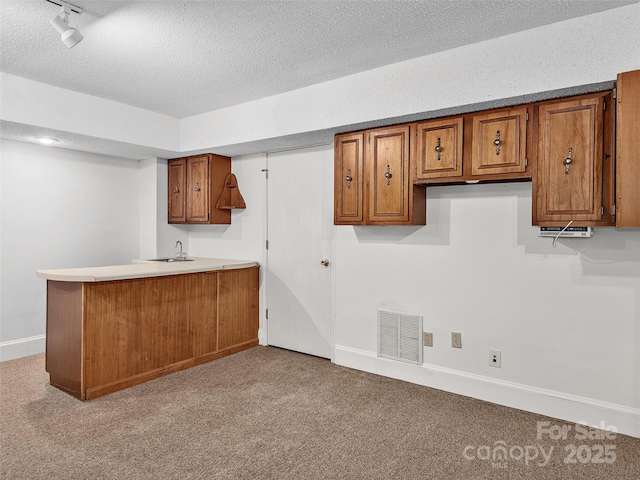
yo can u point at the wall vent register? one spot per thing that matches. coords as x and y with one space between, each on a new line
400 337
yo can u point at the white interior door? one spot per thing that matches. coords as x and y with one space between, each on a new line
299 232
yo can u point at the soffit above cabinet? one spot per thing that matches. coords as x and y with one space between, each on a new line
609 26
248 44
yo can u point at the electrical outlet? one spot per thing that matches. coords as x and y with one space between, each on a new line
427 339
456 339
495 358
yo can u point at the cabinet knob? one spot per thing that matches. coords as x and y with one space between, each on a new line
176 191
324 262
348 178
568 161
388 175
197 189
438 149
497 142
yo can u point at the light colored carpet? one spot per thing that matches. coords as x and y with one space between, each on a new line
267 413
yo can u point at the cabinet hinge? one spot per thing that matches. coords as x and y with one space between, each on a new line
266 244
527 116
266 172
266 313
614 94
613 210
602 211
604 105
526 162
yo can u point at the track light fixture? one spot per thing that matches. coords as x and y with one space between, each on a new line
69 36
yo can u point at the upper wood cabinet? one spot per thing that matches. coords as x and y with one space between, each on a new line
488 146
438 151
195 183
373 182
582 154
499 144
349 179
574 162
390 201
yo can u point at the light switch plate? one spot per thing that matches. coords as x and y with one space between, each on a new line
456 339
427 339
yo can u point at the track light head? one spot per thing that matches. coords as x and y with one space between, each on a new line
69 36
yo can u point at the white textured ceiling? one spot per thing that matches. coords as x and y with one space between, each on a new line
182 58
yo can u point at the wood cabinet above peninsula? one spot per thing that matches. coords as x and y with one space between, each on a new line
109 328
195 183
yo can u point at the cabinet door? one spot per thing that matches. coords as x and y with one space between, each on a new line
349 179
439 149
570 158
177 191
499 142
628 150
389 179
198 189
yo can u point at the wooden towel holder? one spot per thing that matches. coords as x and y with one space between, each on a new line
230 196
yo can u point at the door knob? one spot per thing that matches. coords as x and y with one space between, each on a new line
568 161
324 263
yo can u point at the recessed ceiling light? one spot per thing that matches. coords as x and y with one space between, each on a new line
48 140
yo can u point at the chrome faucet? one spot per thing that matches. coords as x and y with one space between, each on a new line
180 254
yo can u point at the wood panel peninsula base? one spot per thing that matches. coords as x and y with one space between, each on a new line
104 336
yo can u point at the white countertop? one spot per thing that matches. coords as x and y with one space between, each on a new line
142 269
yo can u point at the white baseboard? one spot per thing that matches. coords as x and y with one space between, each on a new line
22 347
572 408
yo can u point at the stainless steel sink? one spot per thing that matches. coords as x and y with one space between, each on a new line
172 259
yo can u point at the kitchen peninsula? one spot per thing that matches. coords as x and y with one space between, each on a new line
112 327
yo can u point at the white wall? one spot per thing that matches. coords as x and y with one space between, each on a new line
157 238
244 238
60 209
567 319
150 220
